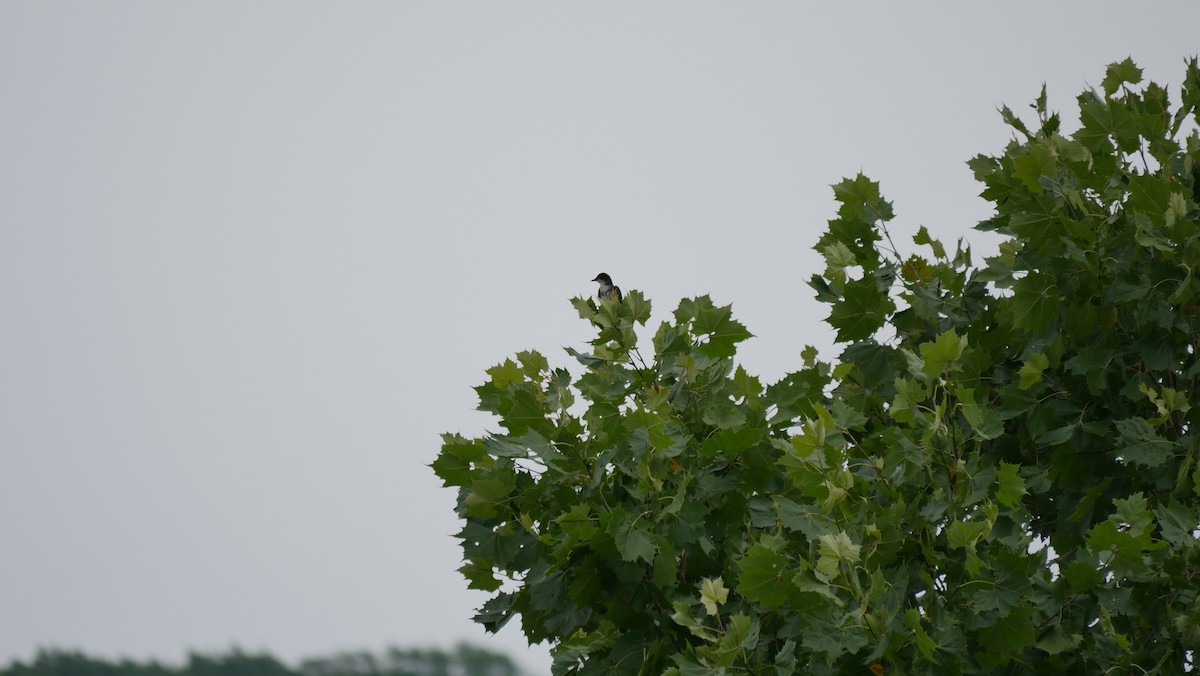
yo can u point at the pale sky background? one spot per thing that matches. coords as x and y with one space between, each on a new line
254 256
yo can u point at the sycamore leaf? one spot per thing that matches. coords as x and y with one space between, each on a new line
1013 121
1031 371
1138 443
980 417
638 306
682 616
1177 522
577 521
741 634
964 534
835 549
763 573
585 359
862 201
456 464
1010 634
1134 513
505 373
496 612
862 310
480 575
1082 575
1058 435
1122 72
714 322
1011 486
838 257
713 594
922 237
1058 641
942 353
634 542
1035 165
486 497
925 644
785 659
1035 303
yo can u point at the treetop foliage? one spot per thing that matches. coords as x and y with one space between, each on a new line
464 660
997 475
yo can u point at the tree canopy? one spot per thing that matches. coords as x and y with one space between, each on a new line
463 660
998 474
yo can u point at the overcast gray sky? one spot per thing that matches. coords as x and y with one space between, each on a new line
254 256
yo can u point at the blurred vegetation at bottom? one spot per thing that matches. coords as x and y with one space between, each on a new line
463 660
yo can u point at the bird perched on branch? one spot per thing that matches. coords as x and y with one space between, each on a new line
607 288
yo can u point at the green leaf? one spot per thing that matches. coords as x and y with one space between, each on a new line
456 463
1058 641
723 414
1177 522
995 596
1031 371
1032 167
981 418
585 359
942 353
803 519
1139 444
682 616
1009 635
1036 302
1168 401
1083 576
577 521
763 573
506 373
847 417
1013 121
479 575
1058 435
715 323
1011 486
634 542
964 534
862 310
838 257
925 645
496 612
638 305
922 237
742 633
861 200
835 549
1134 513
713 594
486 497
785 659
1119 73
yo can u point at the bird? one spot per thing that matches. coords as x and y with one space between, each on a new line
607 288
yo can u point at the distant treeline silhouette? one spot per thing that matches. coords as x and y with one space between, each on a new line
463 660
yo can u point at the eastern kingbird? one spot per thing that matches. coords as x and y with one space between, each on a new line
607 288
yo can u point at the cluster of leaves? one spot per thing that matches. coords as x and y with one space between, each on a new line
464 660
998 475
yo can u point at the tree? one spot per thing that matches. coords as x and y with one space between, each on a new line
464 660
998 474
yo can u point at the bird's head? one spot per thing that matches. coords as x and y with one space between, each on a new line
604 279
